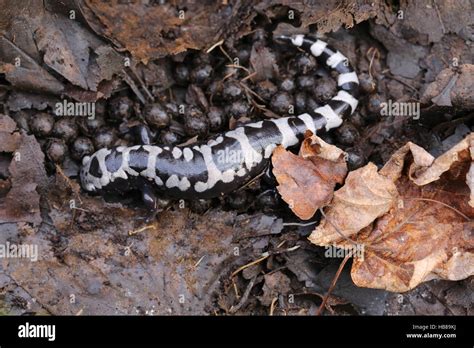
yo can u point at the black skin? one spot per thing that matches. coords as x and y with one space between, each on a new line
258 137
145 137
143 134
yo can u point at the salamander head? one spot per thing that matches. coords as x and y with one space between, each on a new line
92 176
87 182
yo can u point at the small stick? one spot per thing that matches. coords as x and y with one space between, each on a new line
249 76
299 223
333 284
252 92
238 67
439 17
265 255
236 290
226 54
272 305
131 233
218 43
245 296
199 261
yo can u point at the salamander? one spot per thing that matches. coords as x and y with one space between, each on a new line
227 161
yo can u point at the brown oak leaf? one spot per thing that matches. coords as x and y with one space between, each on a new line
306 182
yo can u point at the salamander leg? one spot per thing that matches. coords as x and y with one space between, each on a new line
268 179
150 200
143 134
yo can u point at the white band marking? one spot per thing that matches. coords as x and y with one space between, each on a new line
288 136
318 48
347 98
297 40
333 120
335 59
347 77
308 121
150 171
250 155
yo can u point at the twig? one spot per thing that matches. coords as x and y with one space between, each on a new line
68 181
339 232
249 76
393 77
299 223
371 60
128 79
333 284
199 261
265 255
250 182
439 17
236 290
245 296
132 69
226 54
228 75
81 209
147 227
238 67
442 203
218 43
272 305
252 92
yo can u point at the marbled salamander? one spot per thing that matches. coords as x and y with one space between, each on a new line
227 161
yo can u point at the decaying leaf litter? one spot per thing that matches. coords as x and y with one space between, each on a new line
226 261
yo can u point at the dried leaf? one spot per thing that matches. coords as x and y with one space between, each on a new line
21 202
452 88
306 182
263 62
195 95
60 43
394 166
66 47
275 284
365 196
28 75
328 15
150 31
403 56
424 231
18 100
417 241
260 225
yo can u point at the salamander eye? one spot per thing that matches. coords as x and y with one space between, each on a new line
85 160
